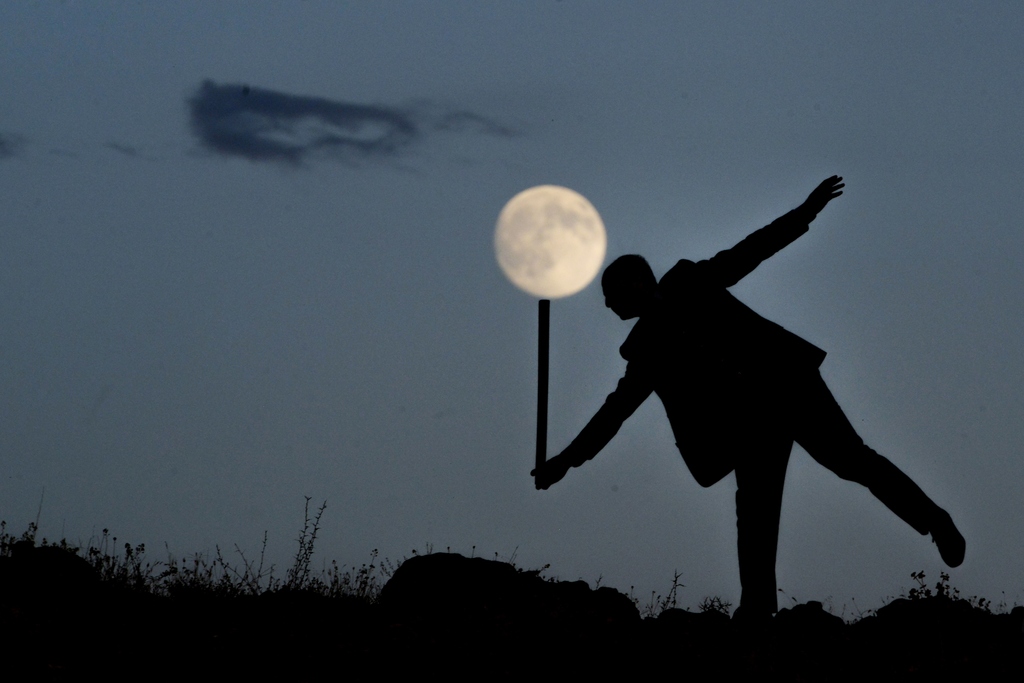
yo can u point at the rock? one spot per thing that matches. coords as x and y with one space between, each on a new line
45 573
685 621
452 588
930 614
809 617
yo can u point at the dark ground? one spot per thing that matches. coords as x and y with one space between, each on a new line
471 618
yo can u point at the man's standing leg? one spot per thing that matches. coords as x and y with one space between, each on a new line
760 477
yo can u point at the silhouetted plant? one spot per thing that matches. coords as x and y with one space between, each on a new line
364 583
298 575
715 604
7 540
657 604
670 600
212 577
944 591
250 579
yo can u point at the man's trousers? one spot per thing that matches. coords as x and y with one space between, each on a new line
802 409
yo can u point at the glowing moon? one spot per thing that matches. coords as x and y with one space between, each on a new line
550 241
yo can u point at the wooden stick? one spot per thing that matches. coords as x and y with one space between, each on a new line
543 327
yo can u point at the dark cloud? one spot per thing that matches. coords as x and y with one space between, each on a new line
460 121
127 150
10 145
264 125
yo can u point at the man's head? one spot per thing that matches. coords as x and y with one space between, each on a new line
629 286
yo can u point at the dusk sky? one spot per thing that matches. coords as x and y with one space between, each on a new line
246 256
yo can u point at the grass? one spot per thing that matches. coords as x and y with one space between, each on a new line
128 567
200 575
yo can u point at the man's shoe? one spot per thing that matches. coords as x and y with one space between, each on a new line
950 541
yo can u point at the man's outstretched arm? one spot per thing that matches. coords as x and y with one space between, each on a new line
728 267
620 404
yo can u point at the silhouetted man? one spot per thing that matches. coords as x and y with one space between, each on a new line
739 390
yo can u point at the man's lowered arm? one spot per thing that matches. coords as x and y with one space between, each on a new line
728 267
630 392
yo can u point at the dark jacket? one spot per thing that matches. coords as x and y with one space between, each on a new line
712 360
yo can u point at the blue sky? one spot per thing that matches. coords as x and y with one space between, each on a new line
199 333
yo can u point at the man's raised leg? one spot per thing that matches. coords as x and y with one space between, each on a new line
826 434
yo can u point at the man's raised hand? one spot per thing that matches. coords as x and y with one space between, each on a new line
829 189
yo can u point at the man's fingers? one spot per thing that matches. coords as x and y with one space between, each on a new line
829 189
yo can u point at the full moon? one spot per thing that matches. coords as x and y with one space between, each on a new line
550 241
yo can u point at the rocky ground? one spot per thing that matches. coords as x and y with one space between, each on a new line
468 618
